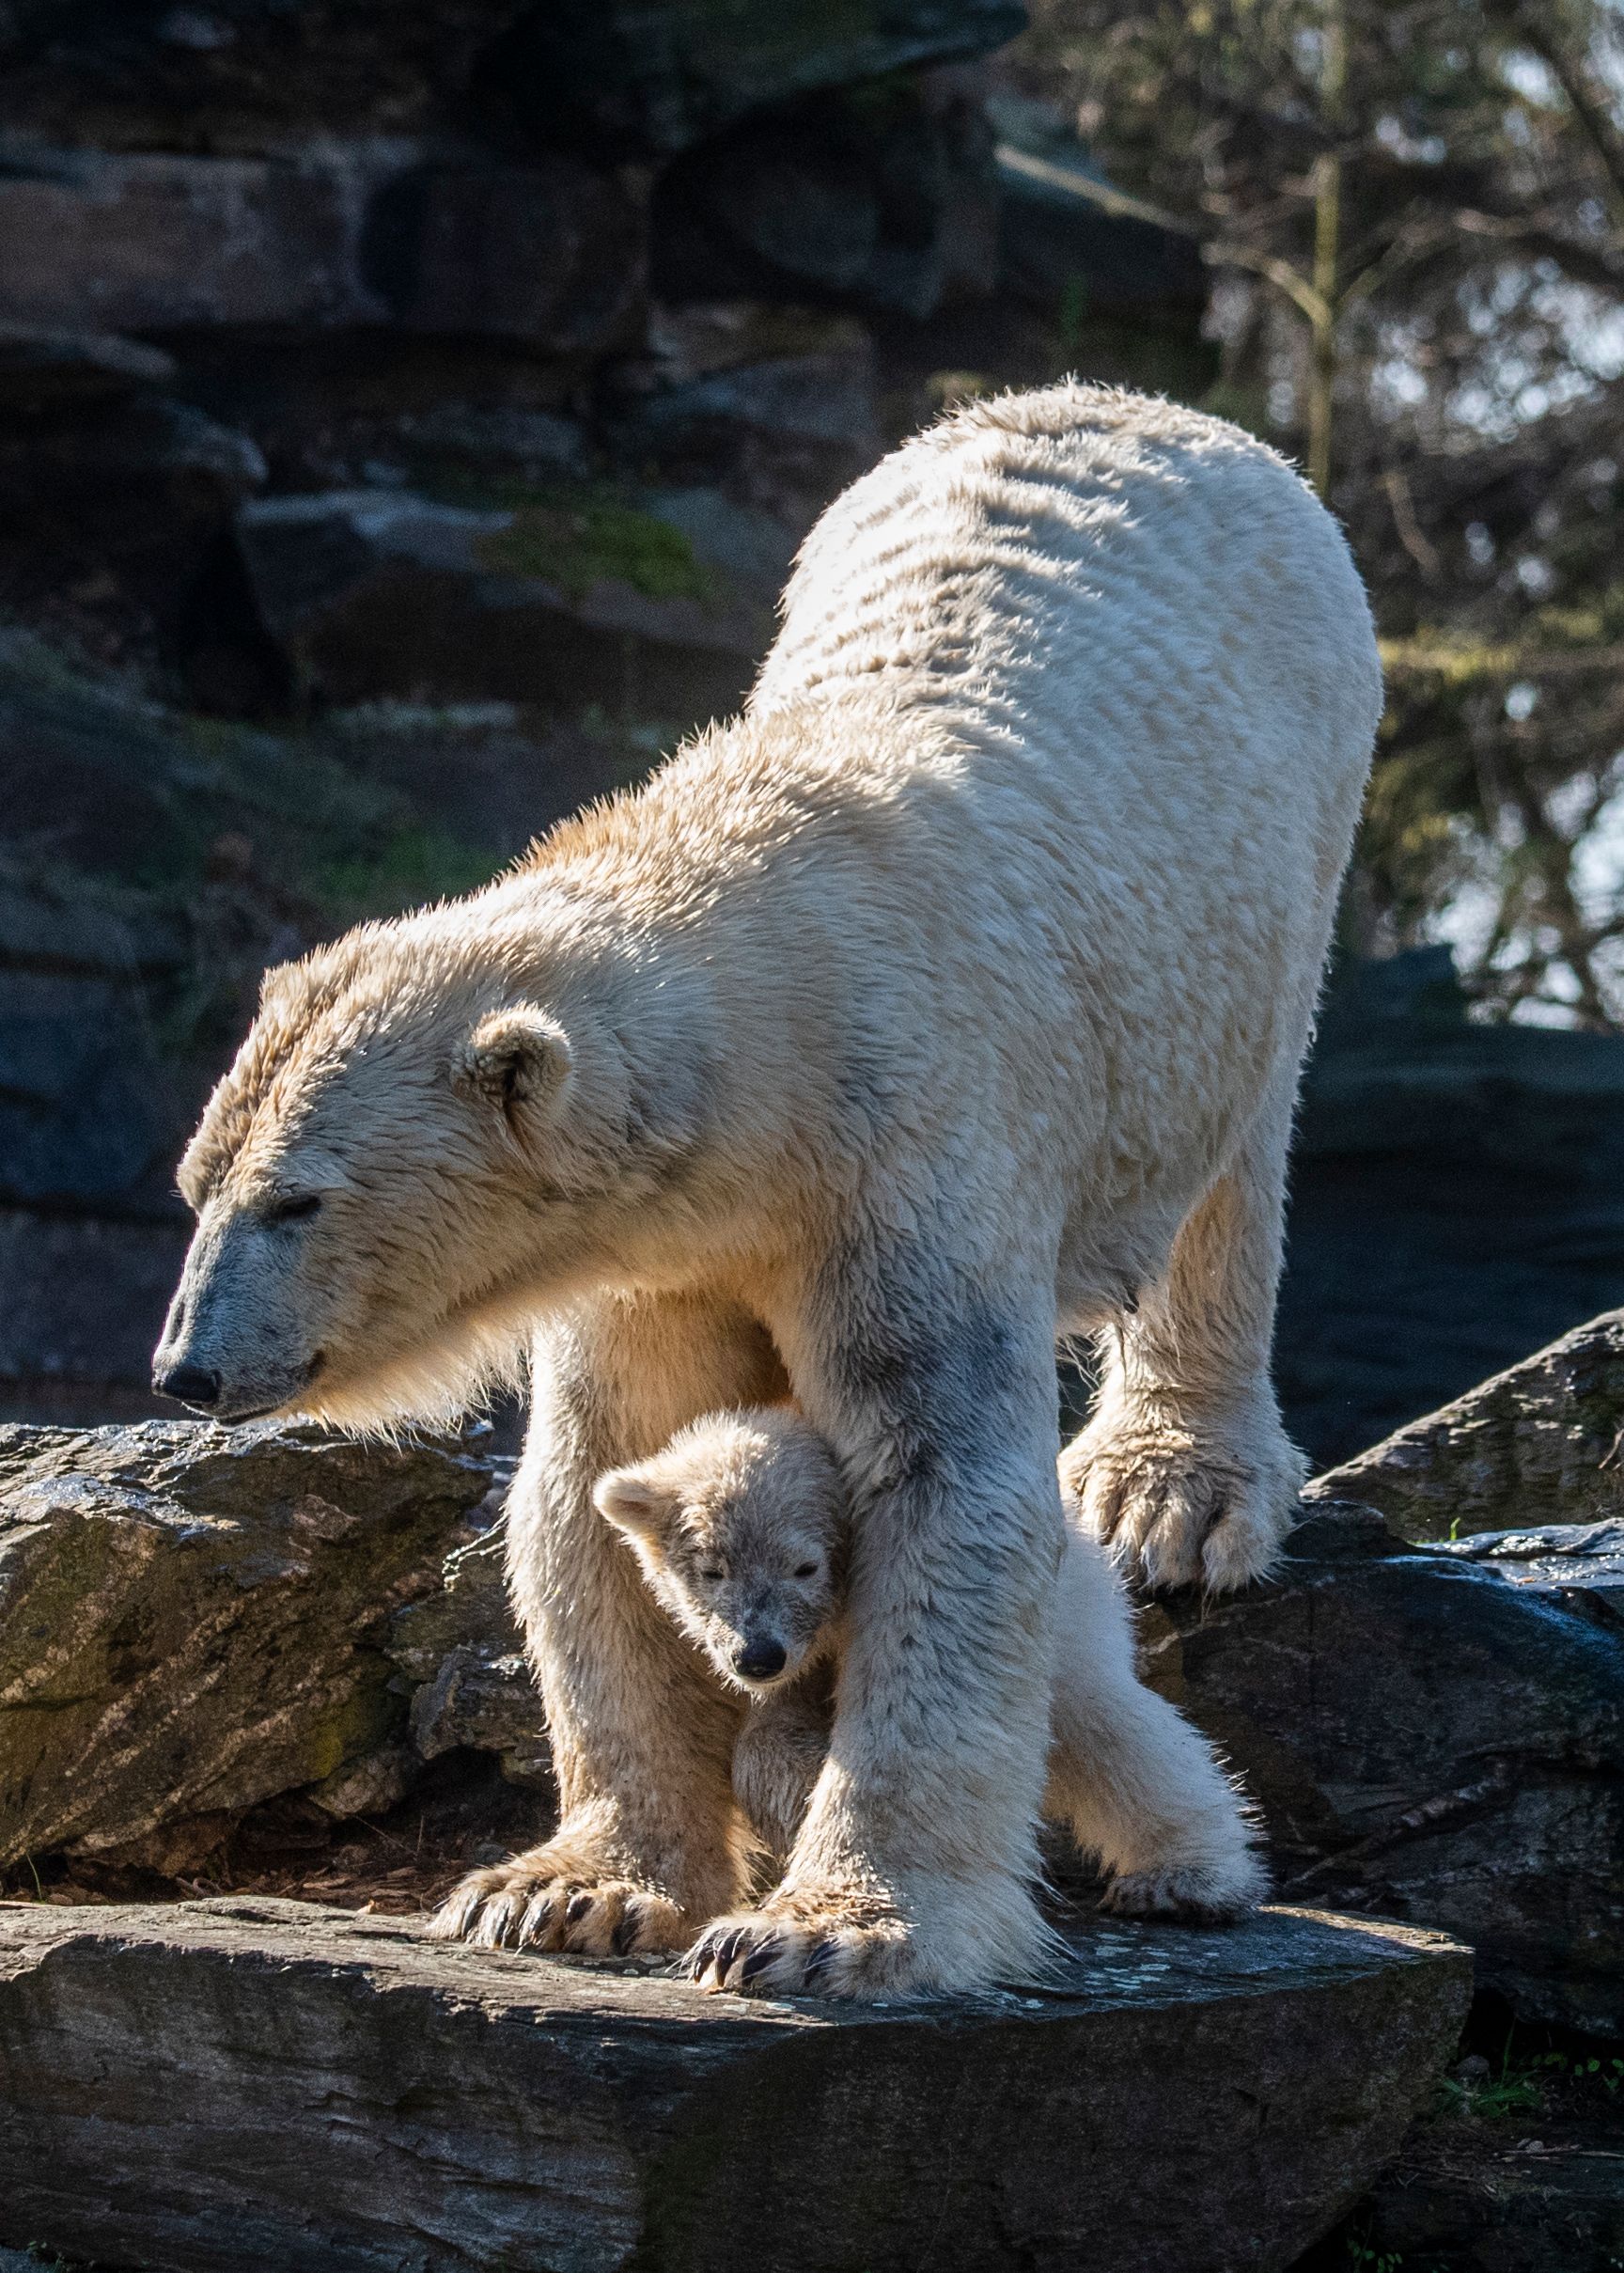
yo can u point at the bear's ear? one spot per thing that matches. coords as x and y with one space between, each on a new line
633 1503
518 1059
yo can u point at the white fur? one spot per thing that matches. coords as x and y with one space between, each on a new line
741 1525
950 999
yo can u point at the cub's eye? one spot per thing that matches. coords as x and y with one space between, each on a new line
294 1209
805 1570
712 1573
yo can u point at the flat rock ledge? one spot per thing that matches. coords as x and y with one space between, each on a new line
268 2084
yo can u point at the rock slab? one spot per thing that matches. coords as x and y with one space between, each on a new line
268 2085
192 1622
1538 1444
1433 1735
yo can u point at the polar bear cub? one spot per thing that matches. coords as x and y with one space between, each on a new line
743 1528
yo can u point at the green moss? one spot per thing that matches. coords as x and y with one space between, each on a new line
573 534
415 865
365 1717
577 542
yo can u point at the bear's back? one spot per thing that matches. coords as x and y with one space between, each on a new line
1088 568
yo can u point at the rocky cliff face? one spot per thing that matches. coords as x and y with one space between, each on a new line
1455 1202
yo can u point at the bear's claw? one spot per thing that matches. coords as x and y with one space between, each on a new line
519 1905
768 1953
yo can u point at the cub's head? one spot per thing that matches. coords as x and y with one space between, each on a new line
739 1524
424 1137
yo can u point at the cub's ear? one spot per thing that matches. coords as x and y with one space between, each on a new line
519 1058
633 1503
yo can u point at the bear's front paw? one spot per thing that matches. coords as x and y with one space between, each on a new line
537 1902
796 1952
1179 1507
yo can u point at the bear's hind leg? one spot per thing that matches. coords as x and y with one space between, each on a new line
650 1843
1185 1473
1129 1778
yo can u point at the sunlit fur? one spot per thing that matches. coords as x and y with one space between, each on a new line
951 997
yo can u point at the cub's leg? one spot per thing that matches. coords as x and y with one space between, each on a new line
1185 1472
777 1761
914 1870
649 1844
1129 1778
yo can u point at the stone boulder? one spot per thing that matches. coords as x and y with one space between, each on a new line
778 405
244 73
43 368
1534 2187
460 1651
1432 1734
657 603
1538 1444
269 2085
191 1623
886 197
657 76
549 253
137 492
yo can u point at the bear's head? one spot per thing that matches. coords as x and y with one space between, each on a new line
739 1524
434 1130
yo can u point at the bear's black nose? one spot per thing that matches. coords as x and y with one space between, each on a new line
760 1660
188 1385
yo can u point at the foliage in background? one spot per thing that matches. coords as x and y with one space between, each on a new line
1415 213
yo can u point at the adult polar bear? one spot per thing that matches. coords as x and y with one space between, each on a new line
951 997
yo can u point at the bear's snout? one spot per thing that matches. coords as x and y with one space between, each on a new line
192 1385
236 1344
760 1660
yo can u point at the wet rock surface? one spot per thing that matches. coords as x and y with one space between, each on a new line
192 1621
1430 1739
268 2084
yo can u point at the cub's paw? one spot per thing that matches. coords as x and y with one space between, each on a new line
533 1902
1178 1508
769 1953
1214 1893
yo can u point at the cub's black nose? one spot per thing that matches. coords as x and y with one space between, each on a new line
188 1385
760 1660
